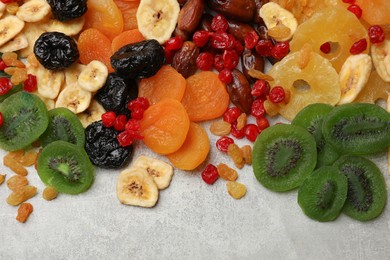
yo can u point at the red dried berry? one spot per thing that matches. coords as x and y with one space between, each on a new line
251 39
120 122
201 38
223 143
5 85
205 61
133 124
210 174
124 138
257 109
135 134
7 1
225 76
174 43
280 50
326 47
238 47
231 114
168 56
277 94
376 34
264 48
355 9
219 23
349 1
230 59
239 134
262 123
260 88
30 84
218 62
139 102
108 118
358 47
3 66
137 113
251 132
222 41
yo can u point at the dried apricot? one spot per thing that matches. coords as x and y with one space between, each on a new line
129 11
165 126
205 96
166 83
194 150
24 211
375 11
126 37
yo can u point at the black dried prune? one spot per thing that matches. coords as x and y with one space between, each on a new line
55 50
116 93
138 60
103 148
65 10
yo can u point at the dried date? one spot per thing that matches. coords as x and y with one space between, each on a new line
251 60
190 15
241 10
240 92
184 60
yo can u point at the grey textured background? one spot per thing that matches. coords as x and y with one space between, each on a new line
192 220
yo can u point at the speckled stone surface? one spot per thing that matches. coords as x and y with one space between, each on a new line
192 220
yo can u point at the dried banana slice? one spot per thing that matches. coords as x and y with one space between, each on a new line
74 98
33 11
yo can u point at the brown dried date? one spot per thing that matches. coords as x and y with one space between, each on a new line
240 92
184 60
190 15
241 10
184 35
251 60
239 29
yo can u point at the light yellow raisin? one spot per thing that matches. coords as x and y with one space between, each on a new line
16 154
304 56
24 211
21 195
32 60
257 74
11 60
247 154
14 165
220 128
2 178
49 193
29 158
241 121
19 76
16 182
226 173
235 189
236 154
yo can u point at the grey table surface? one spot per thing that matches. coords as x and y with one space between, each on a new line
192 220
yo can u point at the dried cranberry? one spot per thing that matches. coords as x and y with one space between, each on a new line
358 47
7 1
221 40
174 43
3 66
238 47
133 124
120 122
225 76
125 138
257 109
108 118
251 132
262 123
137 113
264 47
239 134
5 85
349 1
210 174
277 94
201 38
135 134
168 56
326 47
230 59
218 62
30 84
231 114
223 143
260 88
280 50
139 102
1 119
376 34
355 9
251 39
219 23
205 61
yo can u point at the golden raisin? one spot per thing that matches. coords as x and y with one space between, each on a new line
2 178
304 57
257 74
28 158
21 195
236 189
24 211
220 128
226 173
11 60
241 121
19 76
16 154
247 154
32 60
236 154
49 193
16 182
14 165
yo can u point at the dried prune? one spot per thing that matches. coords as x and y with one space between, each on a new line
55 50
138 60
68 9
116 93
103 148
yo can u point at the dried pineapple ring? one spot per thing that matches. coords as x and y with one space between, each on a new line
336 25
322 80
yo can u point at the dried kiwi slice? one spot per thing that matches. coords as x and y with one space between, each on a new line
367 193
323 194
283 156
63 125
358 129
311 118
66 167
25 119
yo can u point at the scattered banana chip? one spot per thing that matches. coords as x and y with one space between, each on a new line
69 28
93 76
73 72
32 31
93 113
74 98
381 58
33 11
49 82
17 43
10 26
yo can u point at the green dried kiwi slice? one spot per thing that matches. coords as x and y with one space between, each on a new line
367 192
311 118
66 167
283 156
323 194
25 119
358 129
63 125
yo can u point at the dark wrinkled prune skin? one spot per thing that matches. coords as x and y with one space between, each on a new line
103 148
116 93
65 10
138 60
55 50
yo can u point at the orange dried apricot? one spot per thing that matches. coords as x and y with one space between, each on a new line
129 11
166 83
375 11
165 126
205 96
126 37
194 150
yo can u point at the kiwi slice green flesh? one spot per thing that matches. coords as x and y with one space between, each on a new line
311 118
283 156
63 125
367 192
25 119
358 129
66 167
323 194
